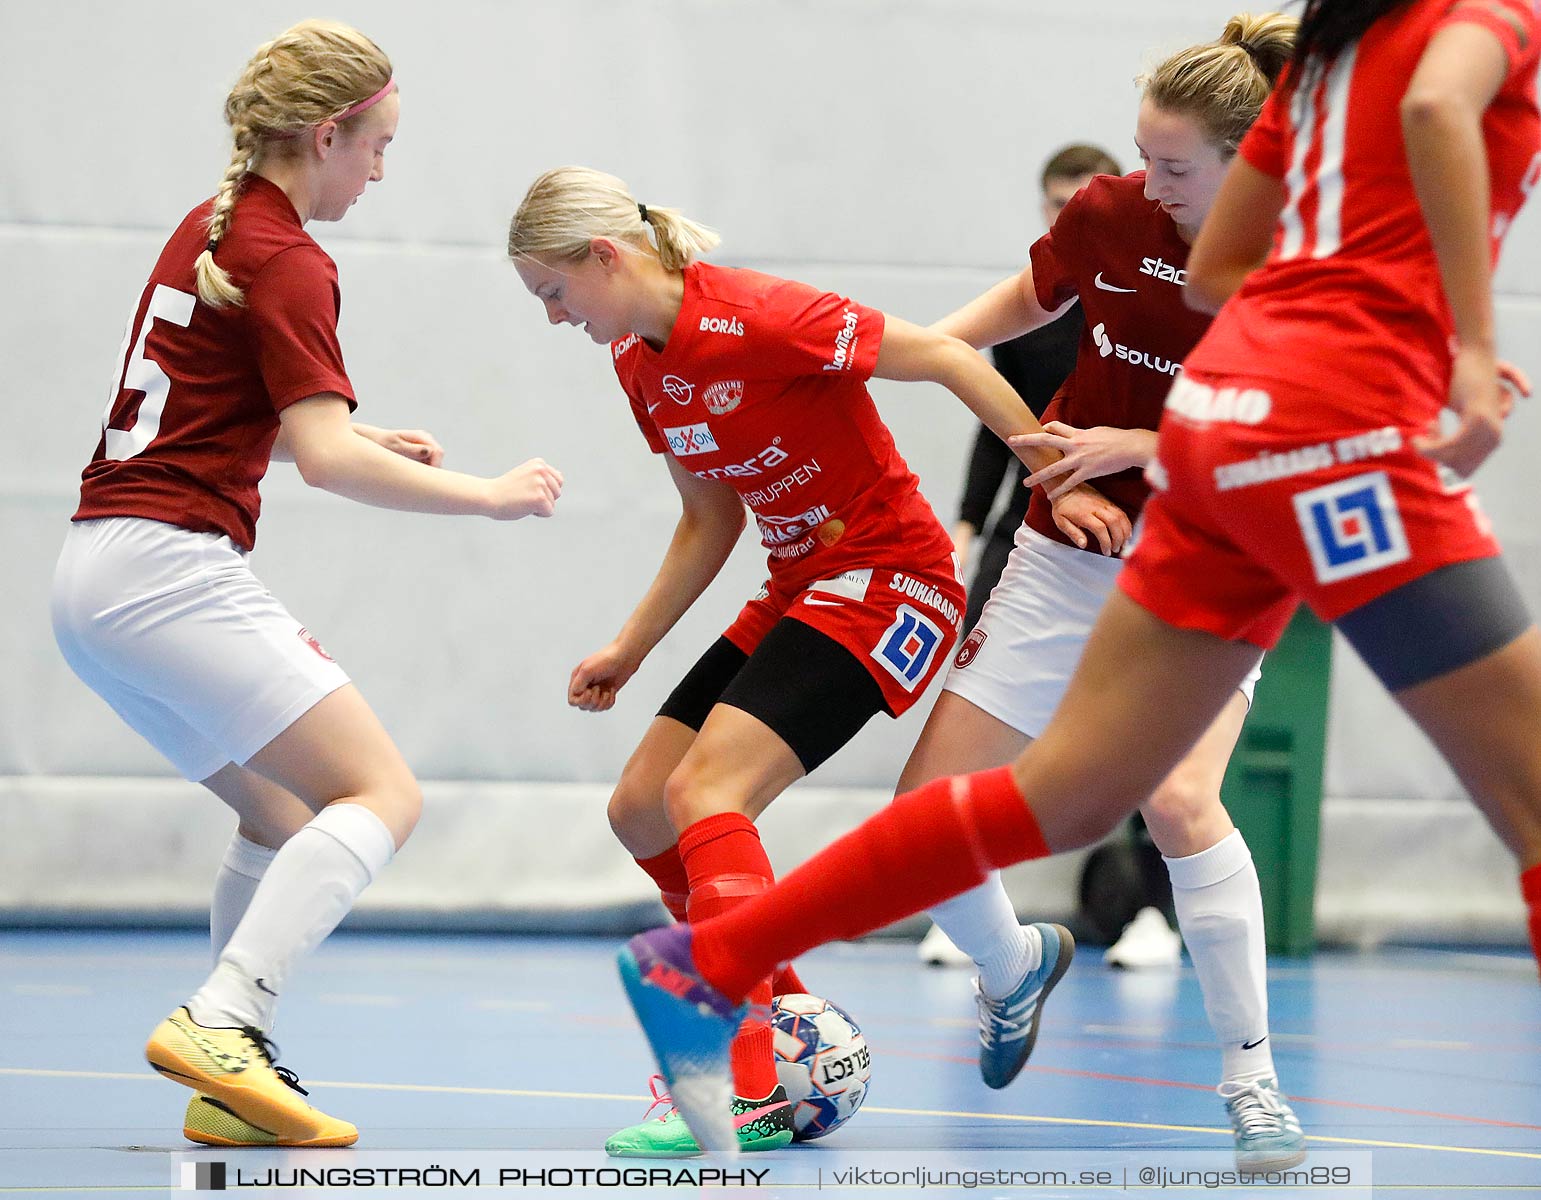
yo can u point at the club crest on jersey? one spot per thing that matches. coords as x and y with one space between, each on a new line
729 325
1352 527
970 648
685 440
723 396
310 640
907 648
677 389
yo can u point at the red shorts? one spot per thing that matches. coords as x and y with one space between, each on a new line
1244 524
900 625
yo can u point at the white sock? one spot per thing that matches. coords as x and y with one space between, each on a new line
982 923
242 870
310 886
1220 912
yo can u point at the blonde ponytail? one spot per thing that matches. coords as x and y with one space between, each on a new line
568 207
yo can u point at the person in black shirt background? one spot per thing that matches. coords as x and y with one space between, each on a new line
1035 364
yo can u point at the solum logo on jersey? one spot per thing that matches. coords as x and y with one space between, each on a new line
729 325
1352 527
1158 268
1202 403
778 531
685 440
907 648
845 344
1106 346
723 396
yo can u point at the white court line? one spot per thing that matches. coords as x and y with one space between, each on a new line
1016 1118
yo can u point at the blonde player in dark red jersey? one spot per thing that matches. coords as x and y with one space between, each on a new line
1298 460
231 358
1120 247
755 389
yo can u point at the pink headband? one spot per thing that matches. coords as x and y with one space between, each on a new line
366 105
361 106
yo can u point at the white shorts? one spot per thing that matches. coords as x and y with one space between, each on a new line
173 630
1017 661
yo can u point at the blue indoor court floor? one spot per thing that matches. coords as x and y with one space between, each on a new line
1420 1067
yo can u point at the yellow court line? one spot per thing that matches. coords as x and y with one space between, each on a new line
1024 1118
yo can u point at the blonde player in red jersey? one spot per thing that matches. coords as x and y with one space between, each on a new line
755 390
1354 240
1120 247
231 358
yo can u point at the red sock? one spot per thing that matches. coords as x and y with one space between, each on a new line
1530 888
927 845
727 865
668 872
784 982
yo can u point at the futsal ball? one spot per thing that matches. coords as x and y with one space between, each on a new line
822 1061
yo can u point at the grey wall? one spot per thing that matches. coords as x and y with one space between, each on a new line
882 148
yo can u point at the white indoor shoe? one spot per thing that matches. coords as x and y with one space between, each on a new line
1147 941
937 950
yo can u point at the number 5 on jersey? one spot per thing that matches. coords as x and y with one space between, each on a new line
137 373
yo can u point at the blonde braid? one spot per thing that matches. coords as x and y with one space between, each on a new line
214 284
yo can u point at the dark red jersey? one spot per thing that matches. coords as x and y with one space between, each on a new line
194 403
1122 255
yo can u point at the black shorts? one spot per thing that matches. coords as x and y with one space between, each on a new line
803 684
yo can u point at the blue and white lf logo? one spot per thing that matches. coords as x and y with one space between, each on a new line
1352 527
907 648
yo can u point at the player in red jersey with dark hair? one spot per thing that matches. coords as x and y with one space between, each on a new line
1120 248
231 358
1299 461
755 388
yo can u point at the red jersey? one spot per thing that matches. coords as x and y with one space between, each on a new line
762 386
1350 301
1122 255
194 405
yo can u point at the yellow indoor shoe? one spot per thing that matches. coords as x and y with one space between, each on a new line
243 1099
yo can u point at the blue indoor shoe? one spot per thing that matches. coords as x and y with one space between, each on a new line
1268 1135
1008 1027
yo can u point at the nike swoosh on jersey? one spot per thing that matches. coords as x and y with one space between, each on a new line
651 407
816 600
1108 287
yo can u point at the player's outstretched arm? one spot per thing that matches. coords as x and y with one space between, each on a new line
910 353
711 519
1457 78
1007 310
334 458
1236 236
417 444
1087 454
